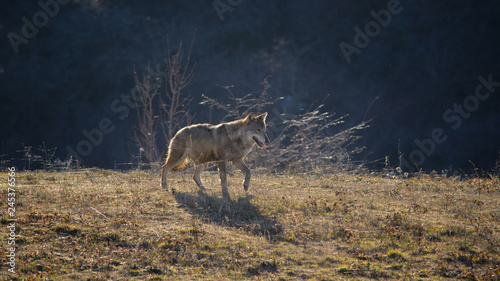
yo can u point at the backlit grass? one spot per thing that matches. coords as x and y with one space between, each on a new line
101 225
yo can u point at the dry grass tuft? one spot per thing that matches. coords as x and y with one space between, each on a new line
106 225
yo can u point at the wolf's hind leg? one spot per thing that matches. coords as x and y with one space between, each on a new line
164 170
196 177
241 165
223 179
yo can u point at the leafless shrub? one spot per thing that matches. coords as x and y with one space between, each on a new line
305 144
239 107
37 158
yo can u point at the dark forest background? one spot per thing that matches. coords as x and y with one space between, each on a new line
428 58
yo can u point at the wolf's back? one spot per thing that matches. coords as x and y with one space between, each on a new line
188 141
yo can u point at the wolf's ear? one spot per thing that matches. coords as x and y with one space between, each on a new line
250 117
262 116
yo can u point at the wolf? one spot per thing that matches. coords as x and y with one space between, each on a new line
205 143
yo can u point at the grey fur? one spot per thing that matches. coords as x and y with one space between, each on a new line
204 143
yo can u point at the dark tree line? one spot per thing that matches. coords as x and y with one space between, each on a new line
422 62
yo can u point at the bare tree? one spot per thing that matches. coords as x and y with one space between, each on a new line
173 112
167 112
145 134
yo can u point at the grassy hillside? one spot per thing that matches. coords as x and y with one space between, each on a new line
100 225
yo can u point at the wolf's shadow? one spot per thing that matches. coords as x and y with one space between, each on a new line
241 214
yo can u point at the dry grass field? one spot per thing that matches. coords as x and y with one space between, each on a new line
107 225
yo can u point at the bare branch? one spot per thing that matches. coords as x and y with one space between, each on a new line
145 133
169 111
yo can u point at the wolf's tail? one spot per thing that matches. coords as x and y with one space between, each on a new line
180 165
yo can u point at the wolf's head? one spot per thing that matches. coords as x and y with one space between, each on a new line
255 128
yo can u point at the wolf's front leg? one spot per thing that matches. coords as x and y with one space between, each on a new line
196 177
241 165
223 179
